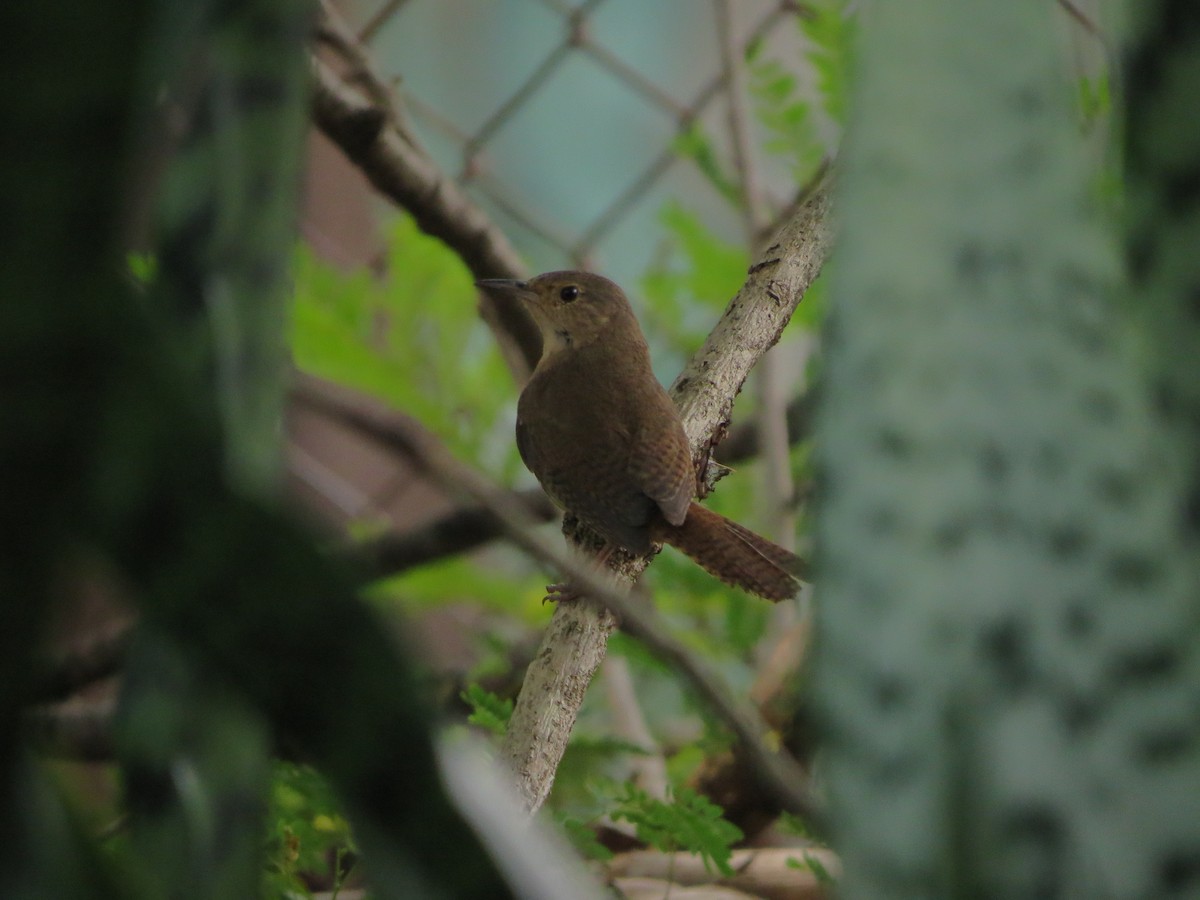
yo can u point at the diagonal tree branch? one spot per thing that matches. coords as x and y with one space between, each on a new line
705 390
458 531
372 140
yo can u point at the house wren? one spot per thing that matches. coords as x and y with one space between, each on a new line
607 444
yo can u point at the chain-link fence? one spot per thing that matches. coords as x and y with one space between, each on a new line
565 121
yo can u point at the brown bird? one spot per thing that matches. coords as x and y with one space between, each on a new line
607 444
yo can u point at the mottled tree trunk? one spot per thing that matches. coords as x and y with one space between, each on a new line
1007 663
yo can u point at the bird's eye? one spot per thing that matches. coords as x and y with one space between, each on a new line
569 293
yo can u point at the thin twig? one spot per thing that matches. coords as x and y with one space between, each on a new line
377 21
1083 19
629 724
772 413
739 124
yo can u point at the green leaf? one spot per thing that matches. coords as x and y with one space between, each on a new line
484 583
792 134
487 710
788 114
413 339
688 821
699 277
305 829
1095 99
793 824
692 143
812 864
817 868
832 34
143 267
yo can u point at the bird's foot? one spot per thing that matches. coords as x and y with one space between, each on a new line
561 592
566 591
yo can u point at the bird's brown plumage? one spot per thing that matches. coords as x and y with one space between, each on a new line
606 442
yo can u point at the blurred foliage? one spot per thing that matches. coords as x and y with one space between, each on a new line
411 337
307 839
499 579
795 115
143 267
685 821
832 33
685 294
787 117
488 711
692 143
808 862
1095 100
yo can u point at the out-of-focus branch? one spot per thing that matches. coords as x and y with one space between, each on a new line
456 532
769 872
74 731
81 664
379 19
743 442
1072 9
629 724
369 135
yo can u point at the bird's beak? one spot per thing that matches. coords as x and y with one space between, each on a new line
502 285
509 290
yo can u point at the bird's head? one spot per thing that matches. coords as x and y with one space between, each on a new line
572 309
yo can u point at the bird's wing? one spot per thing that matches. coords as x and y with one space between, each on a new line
661 462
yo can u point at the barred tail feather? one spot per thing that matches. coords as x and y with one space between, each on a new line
734 554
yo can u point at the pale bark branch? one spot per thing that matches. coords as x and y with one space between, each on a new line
752 323
760 873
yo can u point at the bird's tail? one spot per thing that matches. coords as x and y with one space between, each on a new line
734 554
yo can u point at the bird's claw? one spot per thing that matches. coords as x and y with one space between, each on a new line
561 592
